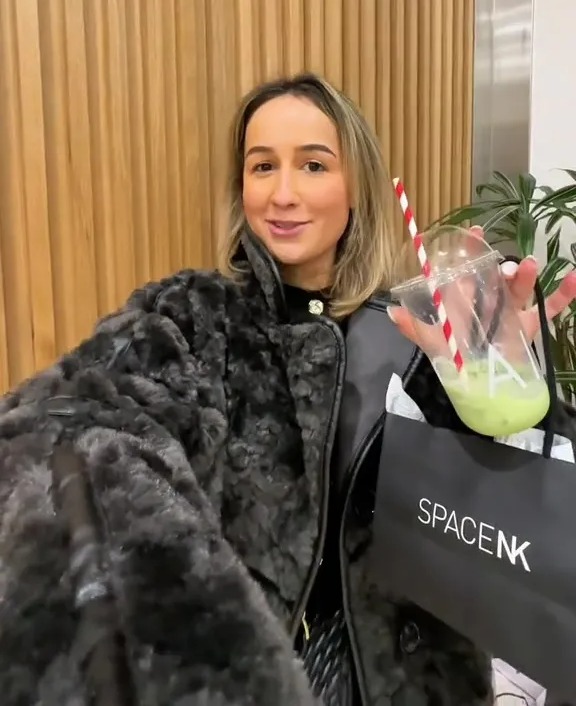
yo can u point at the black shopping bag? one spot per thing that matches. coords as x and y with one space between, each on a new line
483 536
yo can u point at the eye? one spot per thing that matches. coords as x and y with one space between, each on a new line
262 167
314 167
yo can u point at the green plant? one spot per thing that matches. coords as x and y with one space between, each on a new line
521 211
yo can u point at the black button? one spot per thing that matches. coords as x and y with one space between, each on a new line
410 638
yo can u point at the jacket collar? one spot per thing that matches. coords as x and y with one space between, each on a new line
265 272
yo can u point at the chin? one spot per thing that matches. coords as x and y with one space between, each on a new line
288 253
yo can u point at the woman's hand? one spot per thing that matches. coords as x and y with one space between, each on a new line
521 279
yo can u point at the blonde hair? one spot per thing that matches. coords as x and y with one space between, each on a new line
368 253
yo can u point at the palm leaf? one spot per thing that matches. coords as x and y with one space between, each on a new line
553 221
553 245
550 275
527 185
469 212
492 189
526 234
500 215
546 190
559 197
507 184
571 173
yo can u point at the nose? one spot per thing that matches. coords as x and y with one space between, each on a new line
284 193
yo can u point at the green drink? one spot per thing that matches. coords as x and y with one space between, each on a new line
467 324
510 408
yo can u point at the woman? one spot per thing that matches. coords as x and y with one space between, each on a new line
164 527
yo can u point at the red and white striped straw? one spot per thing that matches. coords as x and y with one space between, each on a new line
427 272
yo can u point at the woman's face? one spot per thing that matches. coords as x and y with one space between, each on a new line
295 192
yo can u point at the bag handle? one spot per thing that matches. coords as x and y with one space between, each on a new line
548 423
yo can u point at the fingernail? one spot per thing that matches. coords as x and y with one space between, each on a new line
531 257
390 312
509 268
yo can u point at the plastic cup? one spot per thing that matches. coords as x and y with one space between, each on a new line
500 389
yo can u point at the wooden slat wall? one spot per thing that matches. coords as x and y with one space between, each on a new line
113 127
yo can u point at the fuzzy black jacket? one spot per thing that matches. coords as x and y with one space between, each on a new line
163 495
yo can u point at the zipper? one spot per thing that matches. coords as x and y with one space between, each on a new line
298 614
344 573
356 465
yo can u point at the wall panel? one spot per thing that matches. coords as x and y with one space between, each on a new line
114 124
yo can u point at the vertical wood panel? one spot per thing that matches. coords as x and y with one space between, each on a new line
140 166
466 113
271 38
447 122
222 96
115 122
293 16
314 35
384 73
411 98
425 78
333 38
23 192
438 36
351 50
397 106
368 89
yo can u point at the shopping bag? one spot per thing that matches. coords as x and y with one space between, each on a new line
482 536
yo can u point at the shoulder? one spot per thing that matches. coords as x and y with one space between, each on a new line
185 291
183 314
188 299
160 330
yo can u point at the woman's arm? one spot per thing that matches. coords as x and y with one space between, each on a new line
114 576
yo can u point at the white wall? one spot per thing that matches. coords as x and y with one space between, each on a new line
553 99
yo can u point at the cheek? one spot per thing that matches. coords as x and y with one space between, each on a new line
333 196
335 204
253 200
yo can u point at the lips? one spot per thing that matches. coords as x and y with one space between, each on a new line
284 228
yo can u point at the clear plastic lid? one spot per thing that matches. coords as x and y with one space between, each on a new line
452 252
441 276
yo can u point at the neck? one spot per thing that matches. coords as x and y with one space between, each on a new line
309 277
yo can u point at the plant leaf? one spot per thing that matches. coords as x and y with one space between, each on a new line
549 277
492 188
526 234
567 321
553 245
527 185
507 184
546 190
561 196
571 173
467 212
571 353
553 220
573 250
500 215
566 211
564 376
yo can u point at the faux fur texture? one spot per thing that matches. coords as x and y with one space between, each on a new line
201 442
201 418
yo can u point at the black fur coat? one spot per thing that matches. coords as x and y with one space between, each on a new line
161 556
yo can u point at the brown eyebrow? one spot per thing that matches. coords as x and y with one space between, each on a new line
312 147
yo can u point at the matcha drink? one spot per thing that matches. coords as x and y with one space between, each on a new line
462 301
510 408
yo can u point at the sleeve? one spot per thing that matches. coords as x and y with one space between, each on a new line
116 584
